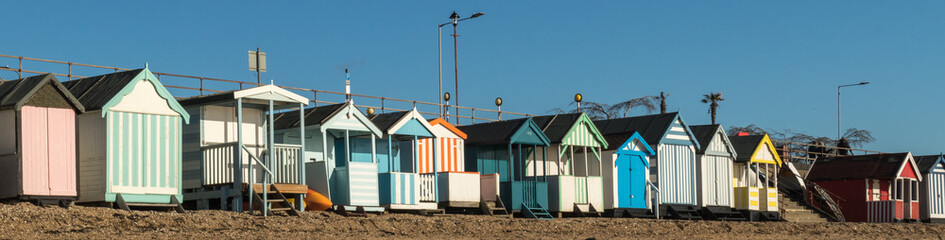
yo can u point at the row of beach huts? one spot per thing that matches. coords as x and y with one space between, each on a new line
123 140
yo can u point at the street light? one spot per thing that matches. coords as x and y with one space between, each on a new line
840 135
454 19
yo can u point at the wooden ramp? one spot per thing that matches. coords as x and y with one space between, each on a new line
172 205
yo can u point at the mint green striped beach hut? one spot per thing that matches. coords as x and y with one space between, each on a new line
129 139
575 184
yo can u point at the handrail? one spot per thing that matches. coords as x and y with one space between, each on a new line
656 198
257 160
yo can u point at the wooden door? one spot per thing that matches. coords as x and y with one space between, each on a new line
61 151
35 155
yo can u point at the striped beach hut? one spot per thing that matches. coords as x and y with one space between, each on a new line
226 148
501 151
340 157
443 157
756 177
575 183
626 171
37 140
399 183
932 188
874 187
129 139
674 164
714 167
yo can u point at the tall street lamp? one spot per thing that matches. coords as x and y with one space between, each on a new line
454 19
840 135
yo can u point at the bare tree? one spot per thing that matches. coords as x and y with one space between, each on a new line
647 102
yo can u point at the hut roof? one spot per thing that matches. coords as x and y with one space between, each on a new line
884 165
927 162
95 92
313 116
16 93
651 127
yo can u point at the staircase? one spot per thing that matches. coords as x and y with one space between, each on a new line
493 208
536 212
722 214
273 201
793 211
586 210
686 212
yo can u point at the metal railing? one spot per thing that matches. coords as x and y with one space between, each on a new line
188 86
808 153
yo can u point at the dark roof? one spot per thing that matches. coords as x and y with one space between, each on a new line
745 146
387 120
205 99
557 126
926 163
95 92
313 116
651 127
704 134
15 93
492 132
884 165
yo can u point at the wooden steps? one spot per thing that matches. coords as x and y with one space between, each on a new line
273 196
536 212
496 208
793 211
172 205
685 212
579 210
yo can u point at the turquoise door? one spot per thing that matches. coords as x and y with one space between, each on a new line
624 188
637 181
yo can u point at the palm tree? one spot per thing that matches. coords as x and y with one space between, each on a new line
647 102
713 100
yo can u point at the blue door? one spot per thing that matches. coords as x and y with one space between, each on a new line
624 188
637 181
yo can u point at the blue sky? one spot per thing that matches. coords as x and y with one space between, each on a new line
777 63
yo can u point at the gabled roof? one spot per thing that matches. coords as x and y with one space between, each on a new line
266 92
448 126
16 93
653 128
747 146
927 162
635 136
883 165
320 116
105 91
501 132
390 123
706 133
557 127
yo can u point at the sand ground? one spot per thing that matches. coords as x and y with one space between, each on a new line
24 220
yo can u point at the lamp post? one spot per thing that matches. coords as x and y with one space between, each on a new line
454 19
839 134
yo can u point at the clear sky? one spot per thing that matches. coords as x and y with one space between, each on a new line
777 63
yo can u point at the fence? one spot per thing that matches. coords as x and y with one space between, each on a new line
428 187
808 153
188 86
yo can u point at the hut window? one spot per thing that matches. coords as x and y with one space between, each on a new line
899 189
915 190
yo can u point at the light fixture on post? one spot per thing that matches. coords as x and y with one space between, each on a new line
839 134
577 98
498 103
454 19
446 109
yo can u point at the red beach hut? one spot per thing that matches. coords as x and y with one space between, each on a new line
873 188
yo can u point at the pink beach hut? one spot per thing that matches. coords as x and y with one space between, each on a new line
37 140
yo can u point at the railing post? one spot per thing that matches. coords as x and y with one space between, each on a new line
473 118
382 104
201 86
19 69
314 98
70 72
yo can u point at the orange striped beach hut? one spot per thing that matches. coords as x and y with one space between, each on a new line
442 159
